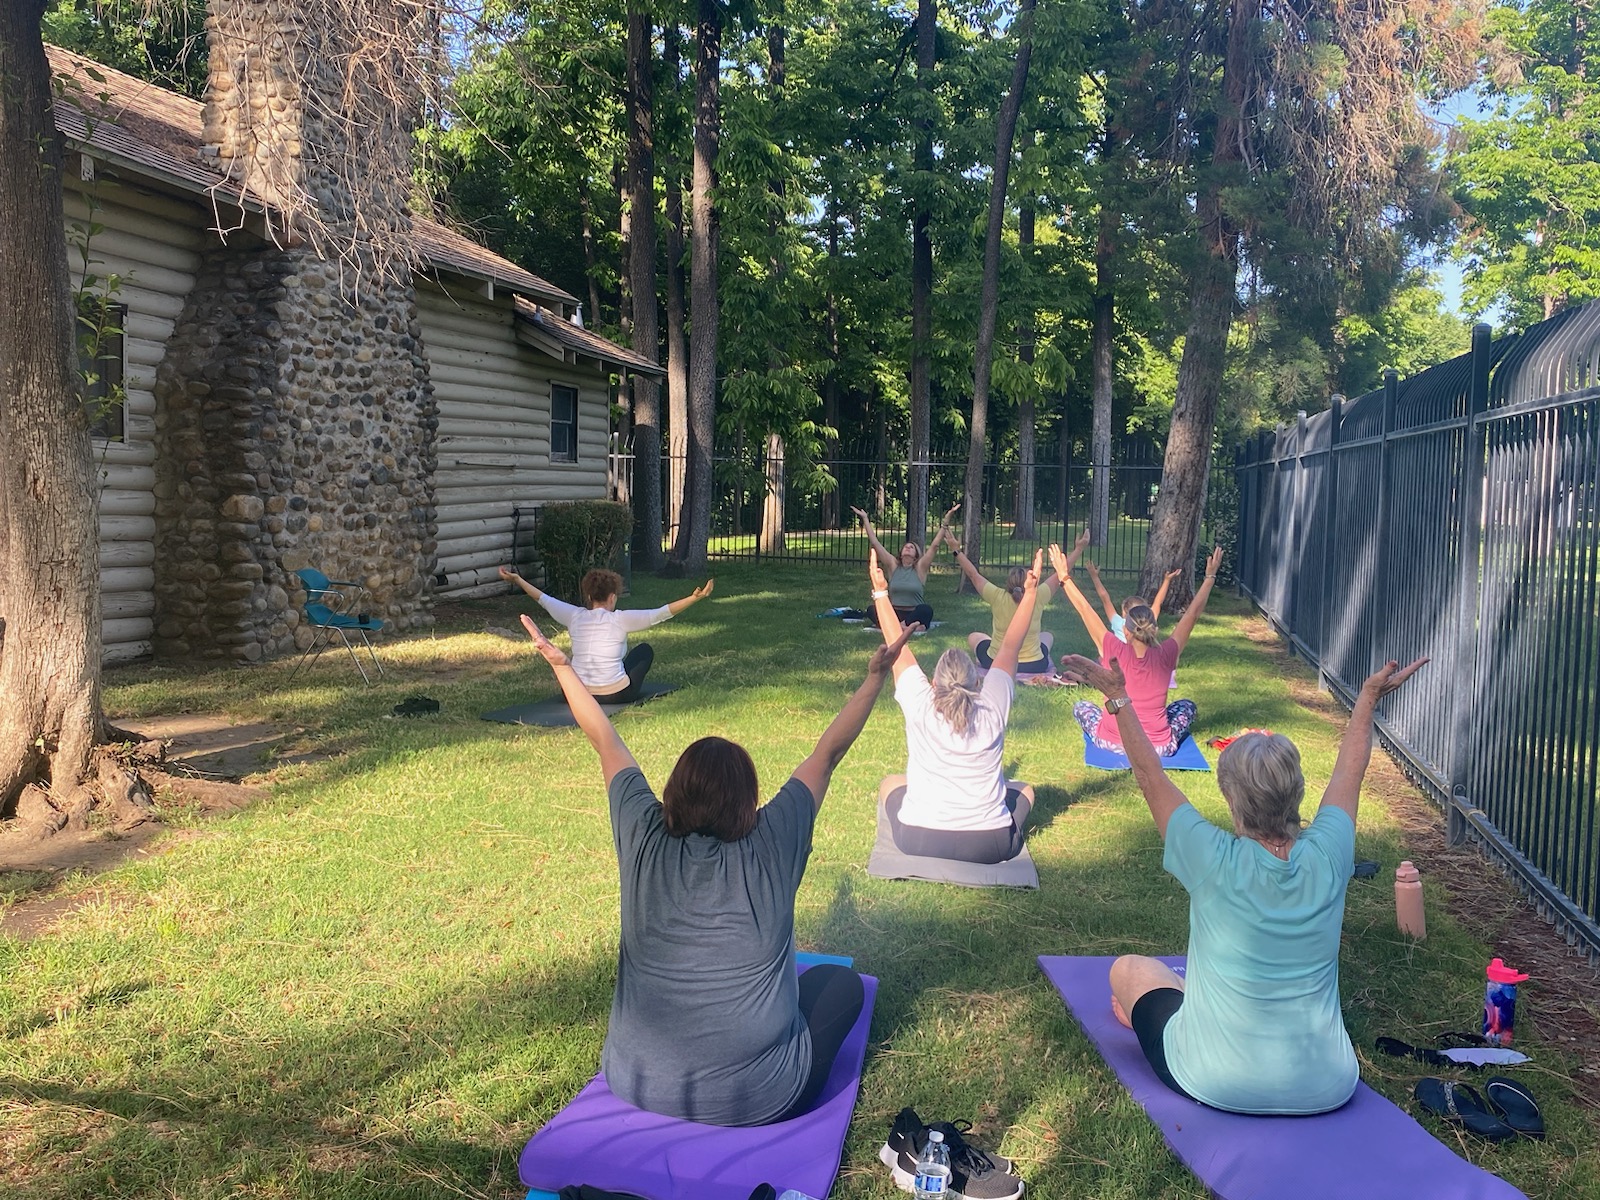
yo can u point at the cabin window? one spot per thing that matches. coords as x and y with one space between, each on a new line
563 423
102 365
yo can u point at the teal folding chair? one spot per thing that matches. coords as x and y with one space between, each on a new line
333 607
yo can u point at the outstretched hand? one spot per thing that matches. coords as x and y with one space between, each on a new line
1174 573
1214 563
1030 582
1107 680
875 574
1094 571
508 574
944 522
701 592
1389 677
1082 544
551 652
1061 563
883 657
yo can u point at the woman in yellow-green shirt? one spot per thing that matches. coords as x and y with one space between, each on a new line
1034 656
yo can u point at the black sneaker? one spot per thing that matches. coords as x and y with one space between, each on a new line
974 1174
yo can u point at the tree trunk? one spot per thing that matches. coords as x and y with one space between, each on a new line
880 491
921 374
1022 528
591 268
1101 340
1175 525
49 563
694 533
677 344
772 507
642 286
989 293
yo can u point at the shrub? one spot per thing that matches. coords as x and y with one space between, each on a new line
572 538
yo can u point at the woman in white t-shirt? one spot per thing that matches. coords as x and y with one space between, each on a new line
600 654
954 800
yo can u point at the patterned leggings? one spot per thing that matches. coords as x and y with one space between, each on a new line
1180 716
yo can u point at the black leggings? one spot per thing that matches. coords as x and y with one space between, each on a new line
636 662
831 997
962 845
921 614
1149 1018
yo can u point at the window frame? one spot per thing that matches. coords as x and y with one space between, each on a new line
571 426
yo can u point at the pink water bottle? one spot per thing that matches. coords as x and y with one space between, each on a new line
1500 1003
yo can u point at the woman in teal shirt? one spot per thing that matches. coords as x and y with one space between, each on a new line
908 573
1255 1025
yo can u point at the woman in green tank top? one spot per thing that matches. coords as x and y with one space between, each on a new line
908 573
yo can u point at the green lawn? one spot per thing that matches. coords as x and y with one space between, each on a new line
381 981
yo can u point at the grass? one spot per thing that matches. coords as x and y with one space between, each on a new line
381 981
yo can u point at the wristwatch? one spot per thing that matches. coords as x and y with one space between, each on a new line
1116 704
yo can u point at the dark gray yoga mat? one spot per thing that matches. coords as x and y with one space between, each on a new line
553 713
888 861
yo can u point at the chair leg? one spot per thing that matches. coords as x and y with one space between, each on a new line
351 650
319 643
371 653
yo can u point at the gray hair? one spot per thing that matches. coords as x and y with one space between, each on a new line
1141 623
1260 777
955 688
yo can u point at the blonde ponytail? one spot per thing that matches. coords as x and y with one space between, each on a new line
1141 624
955 689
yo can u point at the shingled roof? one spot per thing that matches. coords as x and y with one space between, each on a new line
138 126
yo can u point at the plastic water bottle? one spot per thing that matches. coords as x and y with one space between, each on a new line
791 1194
1500 1003
933 1169
1408 911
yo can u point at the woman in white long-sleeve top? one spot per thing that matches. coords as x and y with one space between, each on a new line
600 654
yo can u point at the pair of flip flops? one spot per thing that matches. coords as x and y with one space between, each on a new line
1506 1109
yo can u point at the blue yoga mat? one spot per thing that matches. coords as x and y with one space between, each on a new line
1367 1150
1188 758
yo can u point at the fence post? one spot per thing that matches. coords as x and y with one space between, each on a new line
1468 585
1291 602
1330 526
1380 527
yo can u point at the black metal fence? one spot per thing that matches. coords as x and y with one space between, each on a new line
1456 514
818 525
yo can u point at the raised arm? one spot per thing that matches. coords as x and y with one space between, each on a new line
1063 564
974 576
889 560
700 593
1185 625
511 576
1161 592
586 710
1006 659
1355 748
1100 590
817 770
888 619
1160 793
926 560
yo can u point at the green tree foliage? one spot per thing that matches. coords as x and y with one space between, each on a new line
166 47
1528 173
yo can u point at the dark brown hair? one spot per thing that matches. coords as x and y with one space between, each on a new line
598 586
711 790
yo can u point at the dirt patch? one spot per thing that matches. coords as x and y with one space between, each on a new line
204 760
1482 898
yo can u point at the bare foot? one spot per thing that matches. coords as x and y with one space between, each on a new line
1122 1017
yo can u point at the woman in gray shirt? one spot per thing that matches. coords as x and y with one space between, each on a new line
710 1021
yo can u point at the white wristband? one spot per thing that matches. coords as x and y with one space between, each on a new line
880 593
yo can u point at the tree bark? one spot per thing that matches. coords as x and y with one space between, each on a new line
677 343
921 374
647 552
591 267
1175 524
989 292
772 507
830 384
694 533
1022 527
1101 343
49 563
771 539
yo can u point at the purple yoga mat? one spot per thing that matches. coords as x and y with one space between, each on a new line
1367 1150
601 1140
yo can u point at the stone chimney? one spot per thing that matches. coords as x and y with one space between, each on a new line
295 422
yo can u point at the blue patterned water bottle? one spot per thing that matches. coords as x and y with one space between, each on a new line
1500 1003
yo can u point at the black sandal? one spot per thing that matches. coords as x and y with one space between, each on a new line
1422 1054
1461 1105
1514 1104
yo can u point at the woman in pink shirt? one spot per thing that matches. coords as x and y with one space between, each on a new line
1147 662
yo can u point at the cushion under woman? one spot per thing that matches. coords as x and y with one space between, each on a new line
709 1021
1033 658
599 632
1148 664
910 573
1254 1025
954 800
